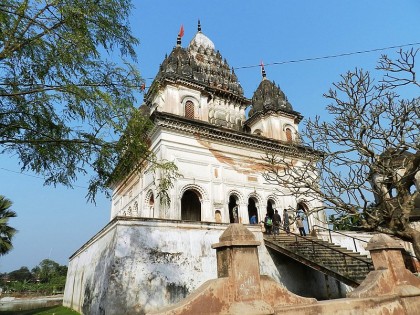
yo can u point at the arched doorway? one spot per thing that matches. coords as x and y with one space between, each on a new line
233 209
271 205
252 208
191 206
302 211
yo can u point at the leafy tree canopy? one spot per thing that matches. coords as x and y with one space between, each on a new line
20 274
46 278
64 102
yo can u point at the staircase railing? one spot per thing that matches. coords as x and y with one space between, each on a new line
412 267
345 256
334 231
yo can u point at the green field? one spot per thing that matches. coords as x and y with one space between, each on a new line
56 310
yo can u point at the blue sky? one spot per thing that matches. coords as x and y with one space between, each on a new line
54 222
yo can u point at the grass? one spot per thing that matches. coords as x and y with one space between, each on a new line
54 310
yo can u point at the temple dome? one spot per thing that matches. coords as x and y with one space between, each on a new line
178 63
200 63
201 40
269 97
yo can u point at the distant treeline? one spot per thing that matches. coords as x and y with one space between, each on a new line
46 278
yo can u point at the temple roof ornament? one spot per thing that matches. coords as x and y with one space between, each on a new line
269 97
200 63
264 75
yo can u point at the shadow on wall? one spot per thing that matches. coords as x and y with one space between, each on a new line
305 281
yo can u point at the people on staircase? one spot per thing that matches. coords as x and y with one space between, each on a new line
276 222
268 224
300 226
286 222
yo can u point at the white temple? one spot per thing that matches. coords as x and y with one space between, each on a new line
199 111
150 255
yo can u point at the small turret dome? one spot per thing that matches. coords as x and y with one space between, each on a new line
267 97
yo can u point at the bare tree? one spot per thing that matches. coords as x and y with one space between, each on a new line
363 162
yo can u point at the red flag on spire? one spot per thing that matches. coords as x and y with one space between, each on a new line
262 64
181 31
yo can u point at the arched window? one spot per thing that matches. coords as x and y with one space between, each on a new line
151 201
258 132
189 109
288 135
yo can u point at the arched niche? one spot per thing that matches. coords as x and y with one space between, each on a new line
191 205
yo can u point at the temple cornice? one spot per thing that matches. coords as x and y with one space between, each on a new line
228 136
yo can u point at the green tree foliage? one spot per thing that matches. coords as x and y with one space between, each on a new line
6 231
20 274
49 270
64 102
46 278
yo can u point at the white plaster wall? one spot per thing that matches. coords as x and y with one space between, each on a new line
273 126
139 265
217 170
87 279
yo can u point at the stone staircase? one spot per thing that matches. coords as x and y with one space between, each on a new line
346 266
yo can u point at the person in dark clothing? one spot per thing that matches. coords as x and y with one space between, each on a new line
276 222
286 222
268 224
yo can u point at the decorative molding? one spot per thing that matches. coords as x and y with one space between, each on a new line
260 115
204 196
255 195
236 193
304 203
275 199
216 133
147 198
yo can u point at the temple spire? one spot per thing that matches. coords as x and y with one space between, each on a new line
199 26
263 70
180 34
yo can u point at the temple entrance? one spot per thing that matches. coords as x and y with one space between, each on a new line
233 209
252 209
302 211
191 206
270 207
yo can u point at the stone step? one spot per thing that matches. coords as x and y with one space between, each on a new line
332 254
323 251
337 259
322 248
